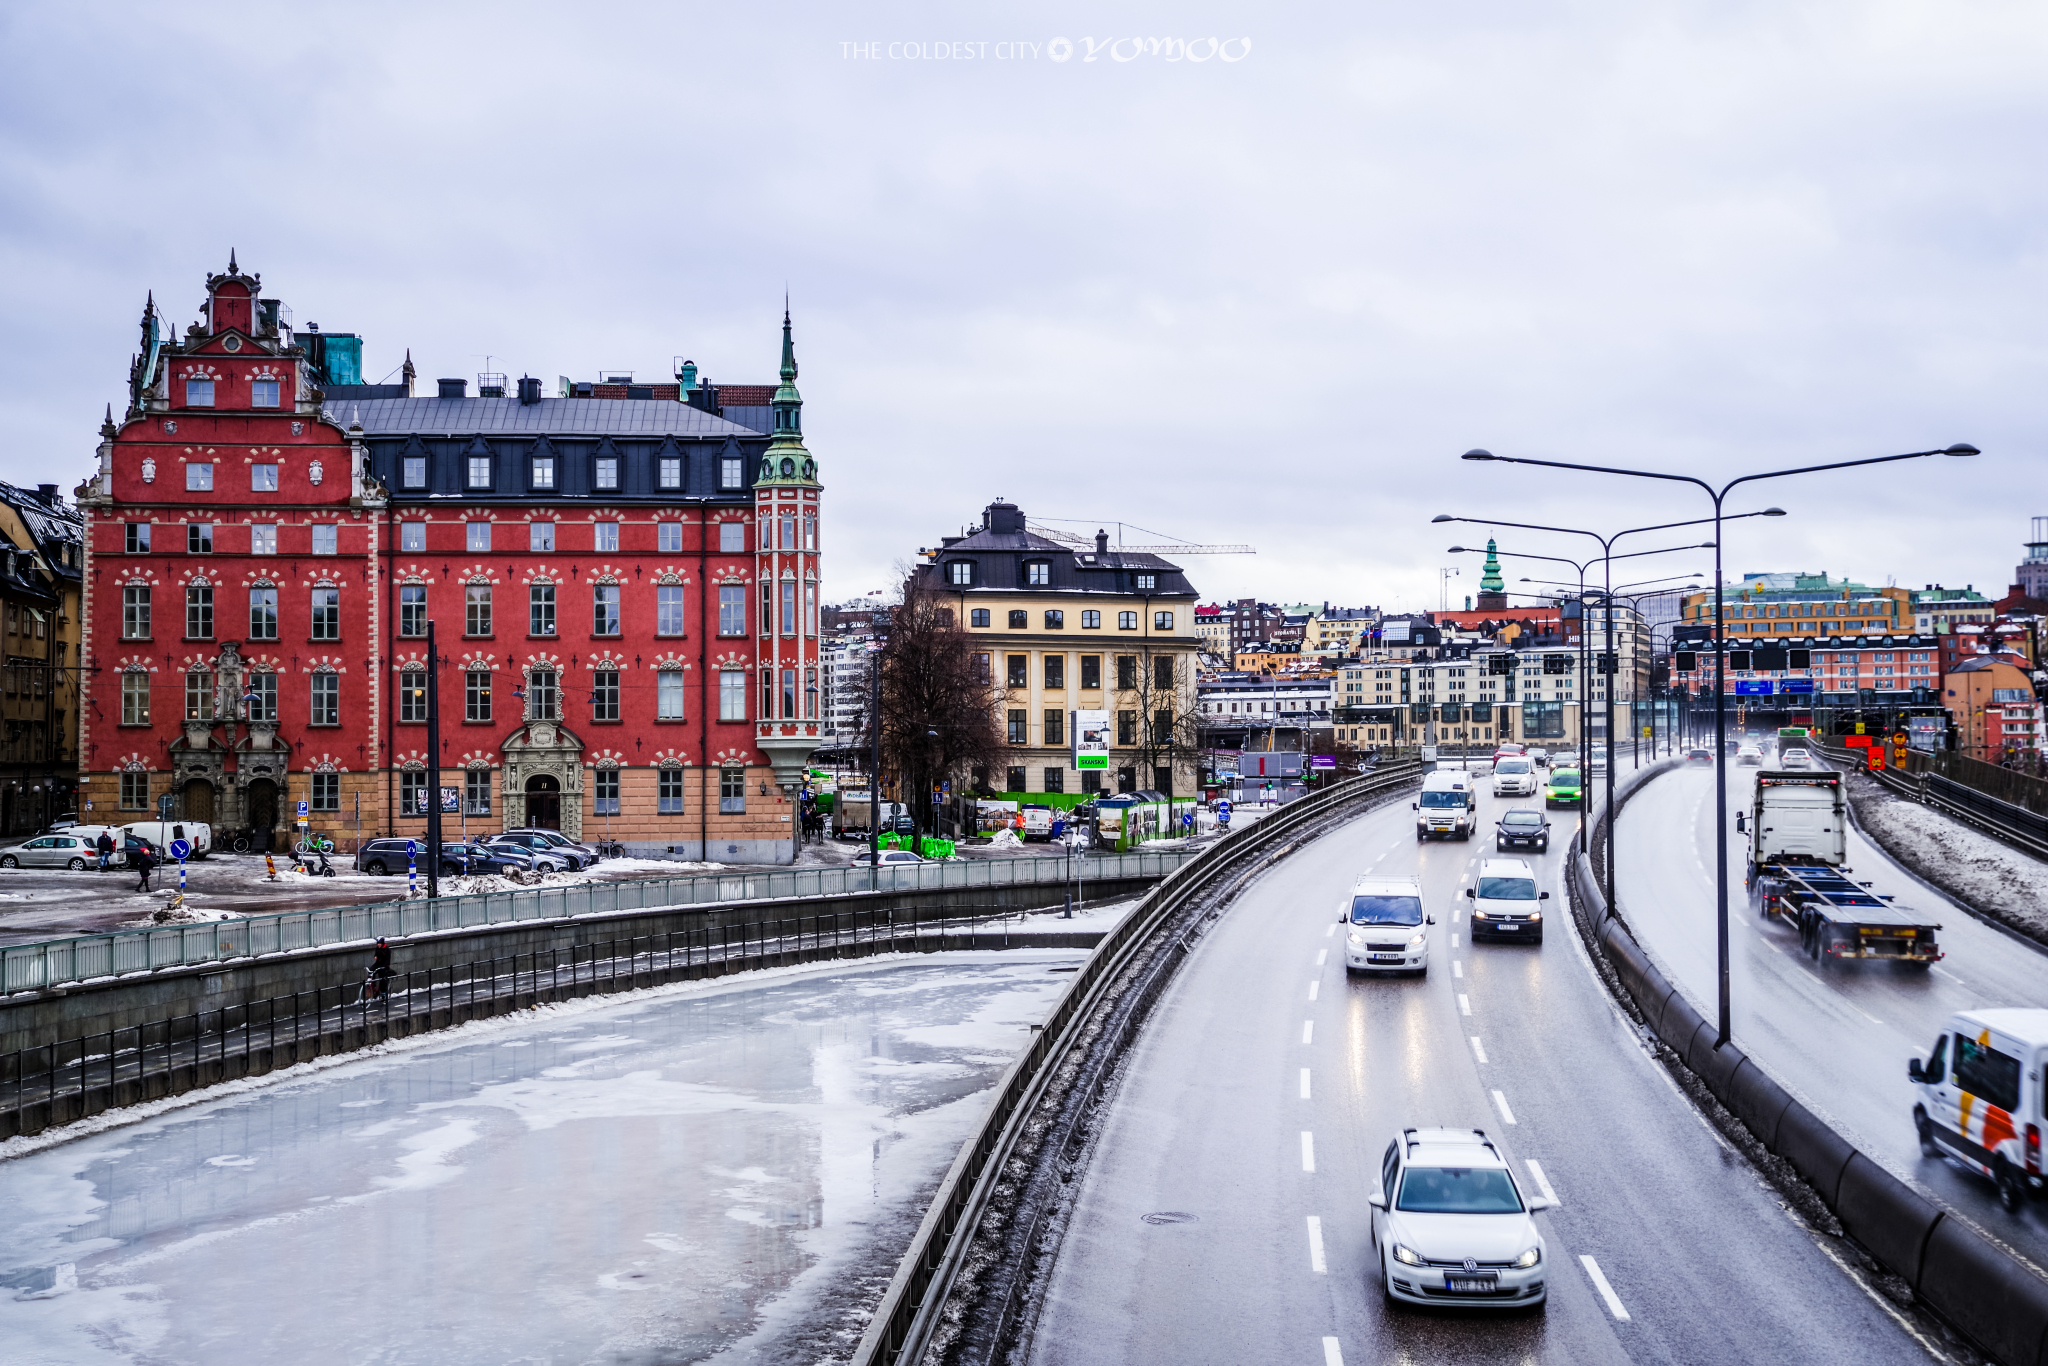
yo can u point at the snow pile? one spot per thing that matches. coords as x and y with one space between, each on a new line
1990 878
187 915
1005 839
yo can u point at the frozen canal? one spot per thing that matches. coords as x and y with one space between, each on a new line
723 1171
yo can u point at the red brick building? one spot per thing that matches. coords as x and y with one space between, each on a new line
624 593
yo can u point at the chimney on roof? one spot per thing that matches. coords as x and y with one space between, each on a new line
48 493
454 388
1000 516
1101 542
529 390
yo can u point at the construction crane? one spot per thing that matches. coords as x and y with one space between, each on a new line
1087 543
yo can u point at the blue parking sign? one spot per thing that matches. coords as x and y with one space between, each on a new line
305 810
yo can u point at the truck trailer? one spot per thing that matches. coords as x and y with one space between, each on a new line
1798 851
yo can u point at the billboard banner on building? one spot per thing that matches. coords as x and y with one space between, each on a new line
1269 764
1090 732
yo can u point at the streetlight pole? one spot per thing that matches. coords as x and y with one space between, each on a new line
1719 497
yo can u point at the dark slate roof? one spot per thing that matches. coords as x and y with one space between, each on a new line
556 416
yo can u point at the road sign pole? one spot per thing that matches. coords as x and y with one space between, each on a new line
412 868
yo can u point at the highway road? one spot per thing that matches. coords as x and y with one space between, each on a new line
1838 1037
1263 1091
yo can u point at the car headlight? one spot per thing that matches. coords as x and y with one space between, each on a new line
1479 915
1407 1254
1535 915
1355 937
1530 1258
1416 940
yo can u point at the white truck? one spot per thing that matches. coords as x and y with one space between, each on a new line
1797 828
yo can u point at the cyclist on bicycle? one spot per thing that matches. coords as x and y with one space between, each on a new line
380 970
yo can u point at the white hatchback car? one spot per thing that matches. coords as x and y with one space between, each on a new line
1514 777
1389 931
1795 758
1452 1227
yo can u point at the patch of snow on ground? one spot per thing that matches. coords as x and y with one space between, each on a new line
1991 878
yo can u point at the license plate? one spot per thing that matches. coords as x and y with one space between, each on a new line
1509 928
1387 958
1468 1285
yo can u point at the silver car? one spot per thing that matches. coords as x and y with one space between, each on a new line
50 851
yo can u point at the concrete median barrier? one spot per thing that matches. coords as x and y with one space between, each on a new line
1759 1102
1717 1067
1986 1292
1886 1215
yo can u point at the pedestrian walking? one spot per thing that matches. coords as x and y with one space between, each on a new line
105 845
144 862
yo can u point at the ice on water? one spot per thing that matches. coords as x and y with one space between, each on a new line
727 1171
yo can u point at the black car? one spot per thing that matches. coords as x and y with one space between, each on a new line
1699 756
380 856
1522 828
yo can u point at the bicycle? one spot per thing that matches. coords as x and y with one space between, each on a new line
375 983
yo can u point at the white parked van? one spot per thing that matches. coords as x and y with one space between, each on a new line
1980 1096
1447 804
160 833
1389 932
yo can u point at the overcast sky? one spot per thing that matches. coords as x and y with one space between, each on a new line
1265 293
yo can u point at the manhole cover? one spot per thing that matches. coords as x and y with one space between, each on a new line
1168 1216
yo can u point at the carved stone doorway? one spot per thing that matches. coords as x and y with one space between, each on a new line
544 802
262 801
199 801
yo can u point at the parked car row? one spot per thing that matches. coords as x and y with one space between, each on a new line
524 851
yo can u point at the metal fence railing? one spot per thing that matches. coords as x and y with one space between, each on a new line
55 962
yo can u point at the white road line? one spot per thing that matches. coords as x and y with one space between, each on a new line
1478 1048
1308 1151
1951 976
1329 931
1304 1083
1464 1004
1332 1356
1457 967
1502 1102
1454 939
1600 1284
1308 1031
1324 956
1315 1249
1312 989
1542 1181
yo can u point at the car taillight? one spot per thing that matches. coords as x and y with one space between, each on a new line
2033 1147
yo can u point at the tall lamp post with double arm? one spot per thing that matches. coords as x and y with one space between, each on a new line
1719 497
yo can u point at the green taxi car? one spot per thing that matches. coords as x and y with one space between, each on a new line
1563 788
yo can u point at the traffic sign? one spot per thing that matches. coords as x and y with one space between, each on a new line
181 850
1753 687
305 810
412 848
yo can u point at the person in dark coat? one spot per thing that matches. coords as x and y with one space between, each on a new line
106 848
145 861
380 968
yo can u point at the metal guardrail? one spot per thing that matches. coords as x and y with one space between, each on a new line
1978 1286
57 962
2025 830
904 1321
66 1079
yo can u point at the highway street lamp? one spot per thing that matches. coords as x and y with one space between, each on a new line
1585 677
1719 497
1607 547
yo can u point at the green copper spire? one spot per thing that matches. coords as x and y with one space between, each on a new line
786 461
1491 581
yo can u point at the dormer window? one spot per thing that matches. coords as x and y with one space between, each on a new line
198 393
1038 573
413 472
960 573
543 472
263 393
1147 582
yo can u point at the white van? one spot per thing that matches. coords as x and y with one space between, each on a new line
1980 1096
1514 775
160 833
1389 932
1447 804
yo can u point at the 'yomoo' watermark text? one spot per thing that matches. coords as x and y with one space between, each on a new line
1051 50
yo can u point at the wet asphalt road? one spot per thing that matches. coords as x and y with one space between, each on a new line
1838 1036
1700 1257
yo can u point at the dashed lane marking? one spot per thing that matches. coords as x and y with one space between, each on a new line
1332 1354
1454 939
1308 1151
1329 930
1464 1004
1457 967
1951 976
1315 1248
1308 1031
1599 1279
1478 1048
1304 1083
1502 1102
1542 1181
1312 989
1324 956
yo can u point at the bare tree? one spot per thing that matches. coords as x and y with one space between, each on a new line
939 697
1152 729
